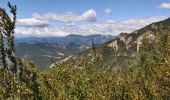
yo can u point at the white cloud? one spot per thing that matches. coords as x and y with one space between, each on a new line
165 5
141 22
111 27
32 22
40 32
89 15
108 27
68 17
37 25
105 28
108 11
110 21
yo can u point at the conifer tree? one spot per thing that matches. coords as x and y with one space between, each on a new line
17 80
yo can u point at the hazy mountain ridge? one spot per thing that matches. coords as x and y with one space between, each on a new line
64 39
47 50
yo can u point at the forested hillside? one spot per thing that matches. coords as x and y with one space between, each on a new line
135 67
142 73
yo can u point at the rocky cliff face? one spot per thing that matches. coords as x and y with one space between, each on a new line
127 40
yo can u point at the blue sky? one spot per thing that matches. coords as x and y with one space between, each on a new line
63 17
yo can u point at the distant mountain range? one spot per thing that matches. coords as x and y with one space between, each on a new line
67 39
46 50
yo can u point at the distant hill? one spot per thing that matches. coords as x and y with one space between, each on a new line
120 51
46 50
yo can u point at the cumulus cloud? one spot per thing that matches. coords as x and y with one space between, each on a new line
141 22
40 32
32 22
165 5
68 17
89 15
37 25
110 22
109 27
108 11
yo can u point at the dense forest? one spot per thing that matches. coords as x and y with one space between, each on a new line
147 76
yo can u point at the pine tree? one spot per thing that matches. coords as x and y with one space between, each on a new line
18 80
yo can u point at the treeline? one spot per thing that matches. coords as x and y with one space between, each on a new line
147 77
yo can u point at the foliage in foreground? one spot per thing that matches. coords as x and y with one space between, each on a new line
147 77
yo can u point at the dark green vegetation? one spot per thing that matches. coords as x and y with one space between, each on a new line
46 50
134 68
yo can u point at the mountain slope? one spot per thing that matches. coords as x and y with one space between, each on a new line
132 66
121 50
